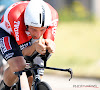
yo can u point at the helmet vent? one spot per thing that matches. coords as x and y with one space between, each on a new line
40 18
43 17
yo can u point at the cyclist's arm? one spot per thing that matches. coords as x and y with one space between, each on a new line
38 46
28 51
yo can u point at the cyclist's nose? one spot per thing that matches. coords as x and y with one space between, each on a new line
38 35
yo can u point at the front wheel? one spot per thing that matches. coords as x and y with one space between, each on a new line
43 86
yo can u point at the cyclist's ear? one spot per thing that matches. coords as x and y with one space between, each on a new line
26 27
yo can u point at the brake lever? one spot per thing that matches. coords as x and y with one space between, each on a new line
71 73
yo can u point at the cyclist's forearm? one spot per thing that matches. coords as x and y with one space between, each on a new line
28 51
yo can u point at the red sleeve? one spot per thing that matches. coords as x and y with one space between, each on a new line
51 31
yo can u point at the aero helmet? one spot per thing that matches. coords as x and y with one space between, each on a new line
37 14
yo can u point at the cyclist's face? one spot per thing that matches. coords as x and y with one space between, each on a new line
36 32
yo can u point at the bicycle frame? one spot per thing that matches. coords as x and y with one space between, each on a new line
34 67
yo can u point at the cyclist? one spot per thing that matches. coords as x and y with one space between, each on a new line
21 27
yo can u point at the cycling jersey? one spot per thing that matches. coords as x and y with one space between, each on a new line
13 23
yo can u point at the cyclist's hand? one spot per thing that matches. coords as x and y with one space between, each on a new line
40 46
50 45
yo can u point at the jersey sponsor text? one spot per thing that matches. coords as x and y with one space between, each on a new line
5 44
16 27
54 22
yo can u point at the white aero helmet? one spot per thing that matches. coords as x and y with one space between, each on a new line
38 14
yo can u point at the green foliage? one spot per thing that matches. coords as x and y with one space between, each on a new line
76 12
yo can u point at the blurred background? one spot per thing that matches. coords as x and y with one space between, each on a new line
77 38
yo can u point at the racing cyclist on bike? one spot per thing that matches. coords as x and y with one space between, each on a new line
21 27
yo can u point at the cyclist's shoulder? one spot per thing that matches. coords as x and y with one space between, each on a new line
14 17
16 9
15 12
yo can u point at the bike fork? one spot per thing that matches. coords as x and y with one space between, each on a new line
36 79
